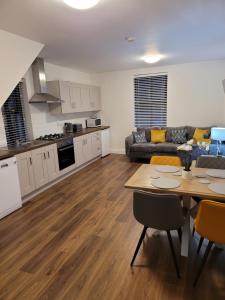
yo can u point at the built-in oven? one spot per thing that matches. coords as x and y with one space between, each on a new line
66 154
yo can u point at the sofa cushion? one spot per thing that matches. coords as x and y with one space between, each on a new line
169 132
179 136
148 132
166 147
144 147
158 135
139 137
191 131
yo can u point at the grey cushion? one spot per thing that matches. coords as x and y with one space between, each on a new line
139 137
166 147
144 147
179 136
170 130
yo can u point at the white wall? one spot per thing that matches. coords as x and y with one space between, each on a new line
16 55
42 121
195 97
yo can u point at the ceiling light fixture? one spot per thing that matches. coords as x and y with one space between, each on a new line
151 59
81 4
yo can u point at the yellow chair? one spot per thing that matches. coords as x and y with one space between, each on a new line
210 224
166 160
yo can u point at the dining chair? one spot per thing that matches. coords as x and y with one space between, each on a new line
158 211
166 160
209 224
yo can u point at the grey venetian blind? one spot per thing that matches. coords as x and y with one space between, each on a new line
150 100
14 117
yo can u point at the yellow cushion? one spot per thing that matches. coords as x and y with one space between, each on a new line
199 135
158 135
166 160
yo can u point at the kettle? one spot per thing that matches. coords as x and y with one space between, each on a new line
68 127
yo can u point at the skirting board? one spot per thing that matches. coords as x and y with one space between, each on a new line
118 151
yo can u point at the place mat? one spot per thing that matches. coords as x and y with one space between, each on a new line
165 183
217 187
204 181
167 169
216 173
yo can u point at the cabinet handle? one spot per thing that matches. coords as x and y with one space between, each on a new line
30 161
44 156
48 154
4 166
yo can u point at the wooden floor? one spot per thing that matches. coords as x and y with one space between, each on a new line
76 240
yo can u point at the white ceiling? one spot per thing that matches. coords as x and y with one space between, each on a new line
181 30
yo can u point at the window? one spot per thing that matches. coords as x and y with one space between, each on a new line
14 117
150 101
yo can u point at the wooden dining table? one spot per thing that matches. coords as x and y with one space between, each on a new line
142 180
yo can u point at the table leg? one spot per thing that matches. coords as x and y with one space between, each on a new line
186 231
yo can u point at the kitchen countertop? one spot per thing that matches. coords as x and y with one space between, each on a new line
6 152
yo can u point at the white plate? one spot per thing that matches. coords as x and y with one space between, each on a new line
155 176
165 183
218 188
201 176
216 173
167 169
204 181
177 173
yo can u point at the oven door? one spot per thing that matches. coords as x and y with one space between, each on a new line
66 156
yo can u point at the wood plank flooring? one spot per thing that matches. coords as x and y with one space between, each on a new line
75 241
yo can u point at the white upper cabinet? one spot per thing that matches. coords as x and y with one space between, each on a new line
75 97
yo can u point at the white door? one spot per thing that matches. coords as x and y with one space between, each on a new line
25 172
105 141
78 150
95 98
96 144
75 98
89 152
65 96
10 198
52 162
39 158
85 97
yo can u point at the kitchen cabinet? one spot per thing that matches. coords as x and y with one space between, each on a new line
25 172
96 143
45 164
40 168
78 149
75 97
37 167
87 147
52 162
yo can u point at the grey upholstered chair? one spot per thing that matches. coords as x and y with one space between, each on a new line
210 162
158 211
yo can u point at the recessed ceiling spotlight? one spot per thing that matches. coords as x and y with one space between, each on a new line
81 4
151 59
130 39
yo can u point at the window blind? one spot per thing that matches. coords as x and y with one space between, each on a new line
150 100
14 117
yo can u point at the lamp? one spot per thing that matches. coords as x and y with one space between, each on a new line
218 134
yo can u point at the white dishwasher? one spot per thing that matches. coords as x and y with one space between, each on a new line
10 196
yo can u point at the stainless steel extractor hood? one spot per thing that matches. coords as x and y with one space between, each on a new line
41 94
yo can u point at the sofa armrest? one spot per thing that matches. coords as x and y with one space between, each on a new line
129 140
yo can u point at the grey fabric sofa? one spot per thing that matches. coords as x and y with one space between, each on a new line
147 150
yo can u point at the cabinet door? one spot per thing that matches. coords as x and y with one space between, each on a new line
65 96
96 144
39 158
52 162
25 171
85 97
78 149
95 99
75 98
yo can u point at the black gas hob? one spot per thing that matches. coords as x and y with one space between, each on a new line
52 137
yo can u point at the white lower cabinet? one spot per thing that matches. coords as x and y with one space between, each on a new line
25 171
87 147
37 167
